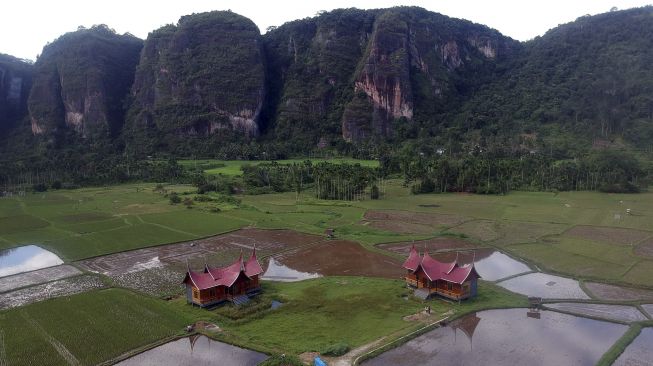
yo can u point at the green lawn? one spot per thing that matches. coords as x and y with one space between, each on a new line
322 312
89 328
232 167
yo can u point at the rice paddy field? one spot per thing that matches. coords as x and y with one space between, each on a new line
586 236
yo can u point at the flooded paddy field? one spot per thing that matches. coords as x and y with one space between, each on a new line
620 313
157 270
638 353
64 287
508 337
545 285
617 293
26 258
16 281
339 258
196 350
619 236
407 222
277 271
648 308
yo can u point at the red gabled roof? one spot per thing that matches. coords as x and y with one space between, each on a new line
225 276
253 267
435 270
413 259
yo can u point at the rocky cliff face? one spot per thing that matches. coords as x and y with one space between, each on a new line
203 77
15 83
311 66
81 81
414 65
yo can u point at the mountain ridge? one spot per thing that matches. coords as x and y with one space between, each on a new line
353 80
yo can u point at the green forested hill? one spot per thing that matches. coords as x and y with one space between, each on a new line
81 81
387 82
201 79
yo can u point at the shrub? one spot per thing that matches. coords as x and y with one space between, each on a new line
56 185
174 198
40 187
336 350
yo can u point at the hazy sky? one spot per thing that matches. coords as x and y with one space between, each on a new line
27 25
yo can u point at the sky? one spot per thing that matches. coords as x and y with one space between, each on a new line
27 25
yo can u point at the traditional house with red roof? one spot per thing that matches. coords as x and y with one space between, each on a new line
450 280
235 282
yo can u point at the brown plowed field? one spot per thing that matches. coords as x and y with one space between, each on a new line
341 258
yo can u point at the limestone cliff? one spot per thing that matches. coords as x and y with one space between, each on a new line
81 81
202 77
415 64
15 83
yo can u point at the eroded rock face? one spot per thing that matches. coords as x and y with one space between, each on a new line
201 77
15 82
416 62
81 81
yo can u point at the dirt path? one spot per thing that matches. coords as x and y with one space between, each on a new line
61 349
349 357
3 353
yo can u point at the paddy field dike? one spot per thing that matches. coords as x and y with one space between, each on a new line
92 276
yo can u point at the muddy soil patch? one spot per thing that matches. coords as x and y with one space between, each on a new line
432 245
341 258
407 222
611 235
158 270
10 283
617 293
65 287
217 250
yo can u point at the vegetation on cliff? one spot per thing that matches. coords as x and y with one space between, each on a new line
81 81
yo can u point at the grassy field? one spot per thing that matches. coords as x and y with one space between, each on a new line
232 167
82 223
320 313
86 329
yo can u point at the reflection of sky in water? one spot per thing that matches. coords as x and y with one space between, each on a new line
546 286
509 337
27 258
499 265
195 351
279 272
639 352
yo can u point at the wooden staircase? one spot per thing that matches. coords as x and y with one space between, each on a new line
421 293
240 300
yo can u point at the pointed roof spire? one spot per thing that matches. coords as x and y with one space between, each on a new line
240 259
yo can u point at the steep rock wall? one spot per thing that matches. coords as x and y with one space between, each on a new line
202 77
